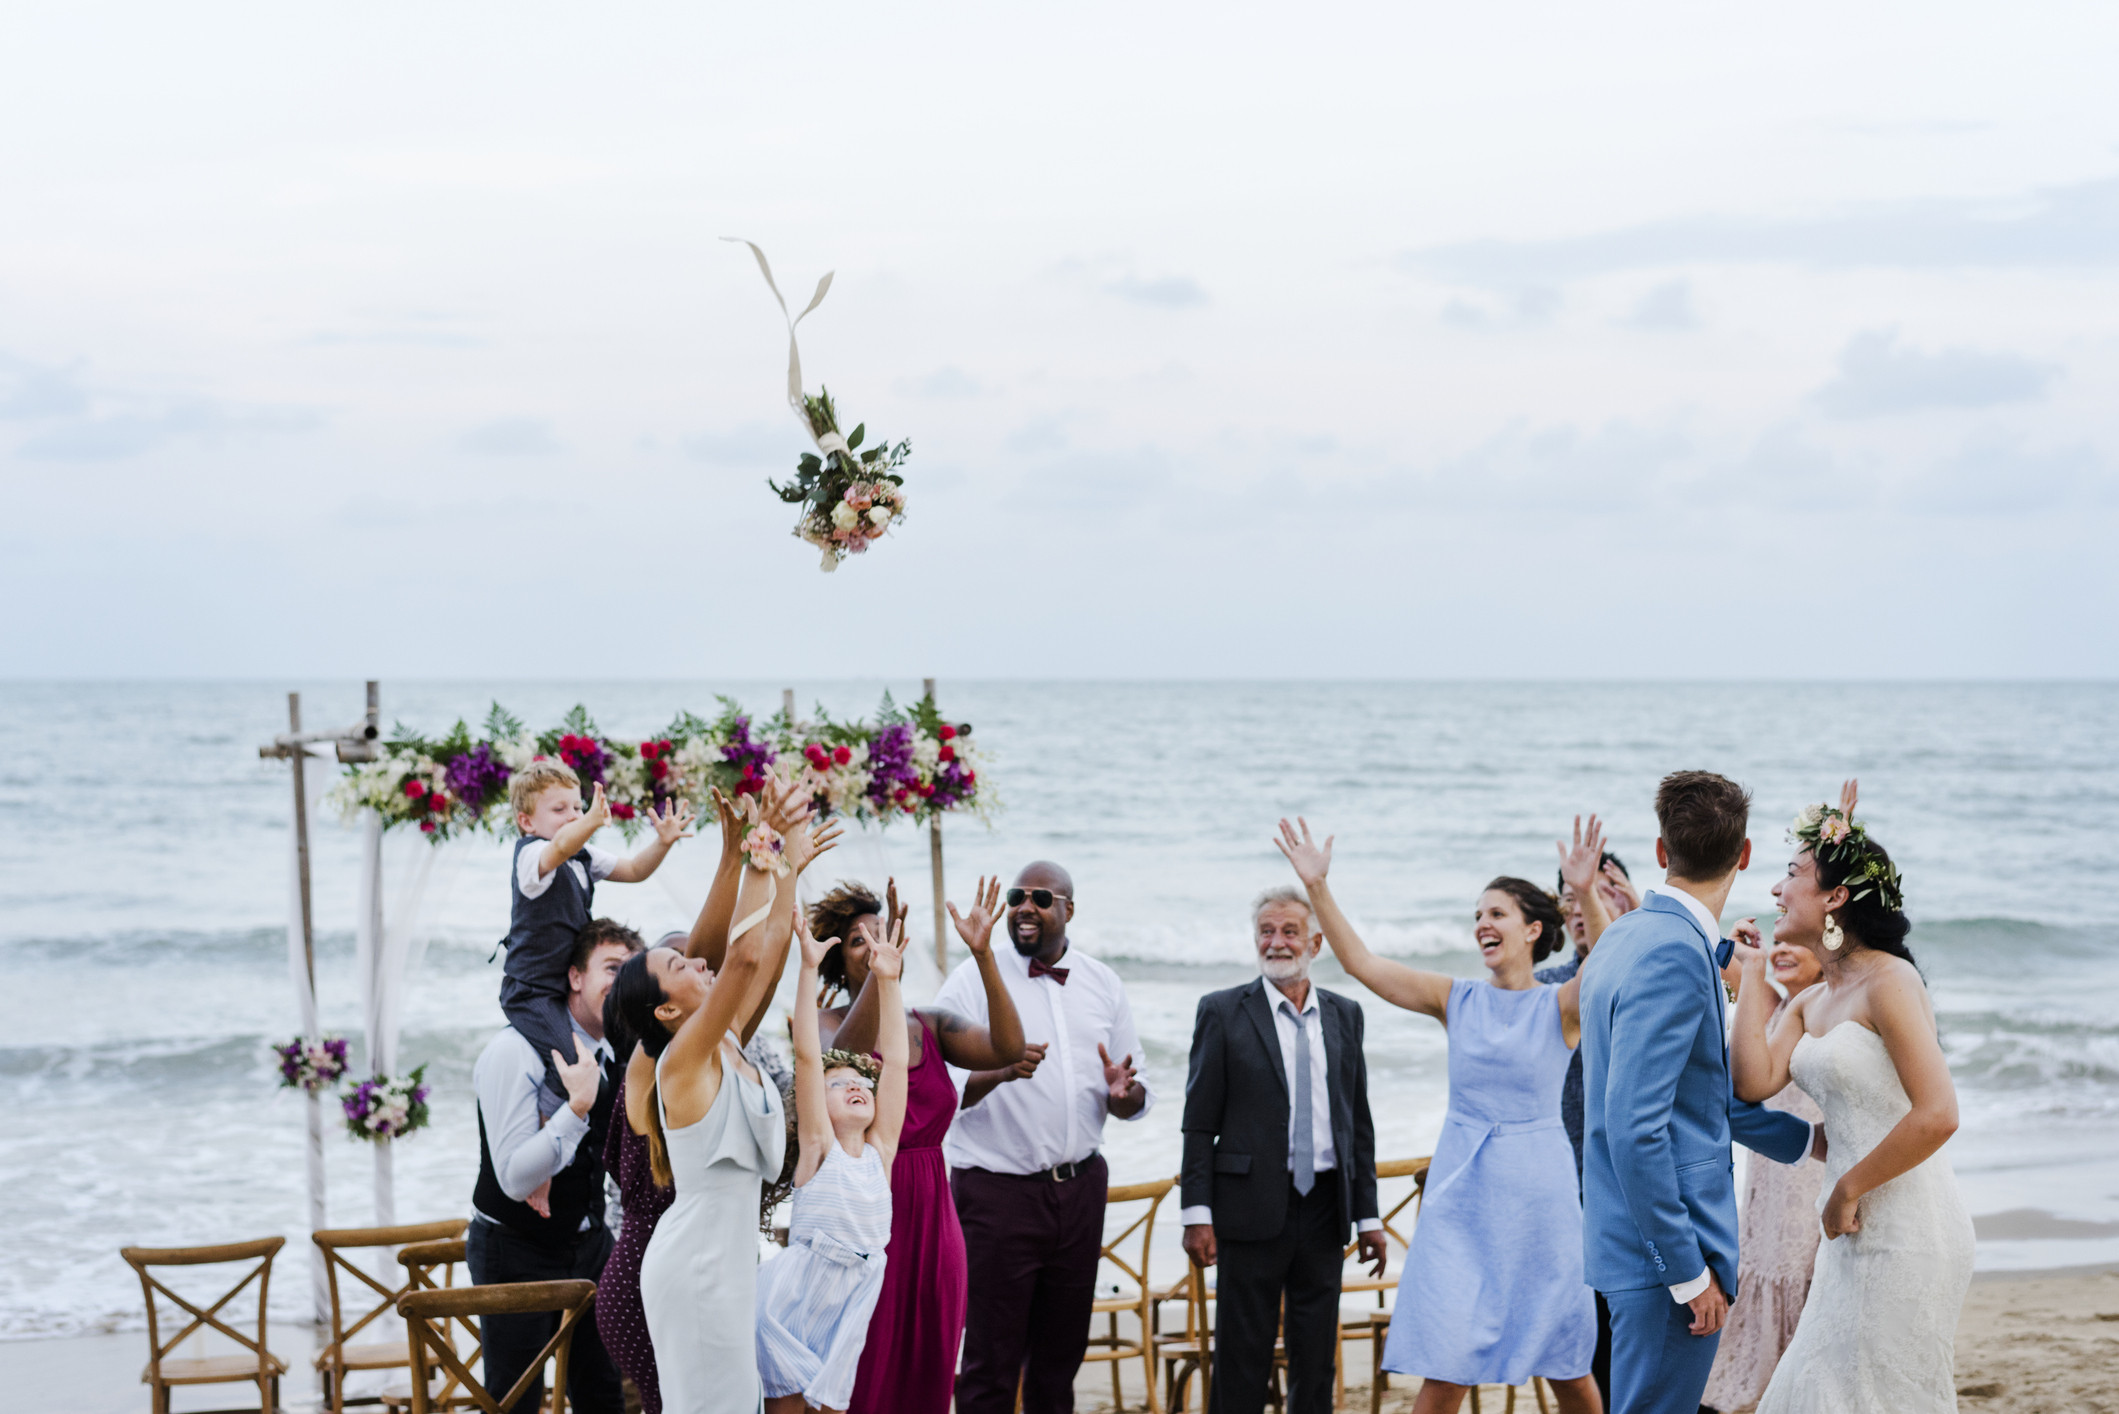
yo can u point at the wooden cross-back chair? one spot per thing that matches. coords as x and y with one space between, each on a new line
258 1365
1398 1222
429 1313
431 1266
343 1356
1138 1297
1191 1351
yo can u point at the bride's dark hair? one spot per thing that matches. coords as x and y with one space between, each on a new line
635 994
1866 916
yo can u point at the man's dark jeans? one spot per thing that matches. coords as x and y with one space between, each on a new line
495 1255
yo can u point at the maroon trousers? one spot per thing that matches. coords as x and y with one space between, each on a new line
1031 1247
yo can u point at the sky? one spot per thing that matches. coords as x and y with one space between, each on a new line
1370 341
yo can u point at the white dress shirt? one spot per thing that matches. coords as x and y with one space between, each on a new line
1685 1292
1057 1115
592 864
1324 1157
525 1150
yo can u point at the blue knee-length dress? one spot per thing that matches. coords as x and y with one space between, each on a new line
1492 1291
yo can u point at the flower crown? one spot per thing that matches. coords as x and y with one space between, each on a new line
853 1060
1837 838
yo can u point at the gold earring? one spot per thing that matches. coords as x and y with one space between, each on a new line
1835 936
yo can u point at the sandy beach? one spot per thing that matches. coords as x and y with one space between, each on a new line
2028 1343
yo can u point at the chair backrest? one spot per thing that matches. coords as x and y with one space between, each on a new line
1153 1194
1397 1222
258 1254
335 1242
431 1346
421 1260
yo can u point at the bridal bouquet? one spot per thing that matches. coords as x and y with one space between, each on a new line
311 1066
848 497
387 1106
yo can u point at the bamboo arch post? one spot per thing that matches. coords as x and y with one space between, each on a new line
354 743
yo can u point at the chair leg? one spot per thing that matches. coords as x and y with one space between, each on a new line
1539 1387
1475 1399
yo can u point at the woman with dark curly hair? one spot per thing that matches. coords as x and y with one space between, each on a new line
908 1365
1497 1257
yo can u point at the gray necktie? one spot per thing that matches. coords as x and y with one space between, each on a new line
1304 1156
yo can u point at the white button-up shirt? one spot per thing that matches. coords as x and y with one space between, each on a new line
1324 1157
1057 1115
527 1150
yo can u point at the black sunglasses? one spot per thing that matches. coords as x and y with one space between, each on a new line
1041 897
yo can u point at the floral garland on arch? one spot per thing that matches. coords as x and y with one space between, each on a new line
904 763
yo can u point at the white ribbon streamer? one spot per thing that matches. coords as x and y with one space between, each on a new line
830 441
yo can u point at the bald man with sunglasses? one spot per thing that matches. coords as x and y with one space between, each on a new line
1024 1167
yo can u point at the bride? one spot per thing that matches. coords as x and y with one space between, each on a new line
1878 1331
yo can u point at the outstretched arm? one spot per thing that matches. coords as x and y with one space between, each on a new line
671 824
802 846
1758 1061
857 1029
966 1044
1424 992
1579 866
812 1110
886 961
710 932
567 842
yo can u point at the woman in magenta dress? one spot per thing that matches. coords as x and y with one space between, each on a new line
908 1365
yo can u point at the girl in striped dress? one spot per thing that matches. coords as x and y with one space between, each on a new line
814 1299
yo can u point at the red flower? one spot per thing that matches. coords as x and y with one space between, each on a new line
438 803
648 750
971 778
426 827
949 753
622 811
662 769
842 754
415 789
901 793
947 732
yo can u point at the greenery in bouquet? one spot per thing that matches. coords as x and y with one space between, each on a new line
849 497
387 1106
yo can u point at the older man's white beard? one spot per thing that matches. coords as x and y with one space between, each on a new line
1284 969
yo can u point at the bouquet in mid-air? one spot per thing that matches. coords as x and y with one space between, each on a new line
848 497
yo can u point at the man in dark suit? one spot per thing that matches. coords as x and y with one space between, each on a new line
1280 1162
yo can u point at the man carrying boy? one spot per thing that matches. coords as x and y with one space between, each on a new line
552 888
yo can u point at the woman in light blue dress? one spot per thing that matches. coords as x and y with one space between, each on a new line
1492 1291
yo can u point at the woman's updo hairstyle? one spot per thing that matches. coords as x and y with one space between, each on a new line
1867 916
834 916
1537 906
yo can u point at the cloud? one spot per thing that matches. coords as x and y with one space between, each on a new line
947 382
29 391
1994 475
1163 292
1667 307
76 421
750 445
510 437
2068 227
1877 376
1526 308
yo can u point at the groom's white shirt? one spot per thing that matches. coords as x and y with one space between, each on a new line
1685 1292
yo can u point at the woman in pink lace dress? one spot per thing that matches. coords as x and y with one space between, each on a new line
1776 1236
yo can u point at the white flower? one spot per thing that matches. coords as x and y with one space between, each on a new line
844 515
879 515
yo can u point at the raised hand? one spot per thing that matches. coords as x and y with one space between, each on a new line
785 804
976 928
732 822
1750 951
674 823
599 812
1579 862
1118 1076
1312 861
1620 896
582 1076
1848 791
893 912
805 844
886 957
812 950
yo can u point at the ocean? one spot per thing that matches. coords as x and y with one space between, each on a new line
143 894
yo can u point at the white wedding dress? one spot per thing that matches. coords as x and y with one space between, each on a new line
1879 1331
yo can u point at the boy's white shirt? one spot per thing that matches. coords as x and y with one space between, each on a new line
533 884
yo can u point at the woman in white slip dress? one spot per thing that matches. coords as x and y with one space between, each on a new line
717 1132
815 1299
1878 1333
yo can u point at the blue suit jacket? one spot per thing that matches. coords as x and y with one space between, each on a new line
1658 1182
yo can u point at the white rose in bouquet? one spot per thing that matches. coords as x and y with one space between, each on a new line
844 515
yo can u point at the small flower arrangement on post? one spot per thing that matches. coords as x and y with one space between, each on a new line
311 1066
849 497
387 1106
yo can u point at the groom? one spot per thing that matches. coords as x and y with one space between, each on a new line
1659 1191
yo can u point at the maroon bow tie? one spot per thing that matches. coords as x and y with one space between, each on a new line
1040 968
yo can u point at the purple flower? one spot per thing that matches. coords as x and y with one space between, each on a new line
752 758
476 777
890 765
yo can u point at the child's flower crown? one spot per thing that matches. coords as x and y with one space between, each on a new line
868 1066
1838 839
